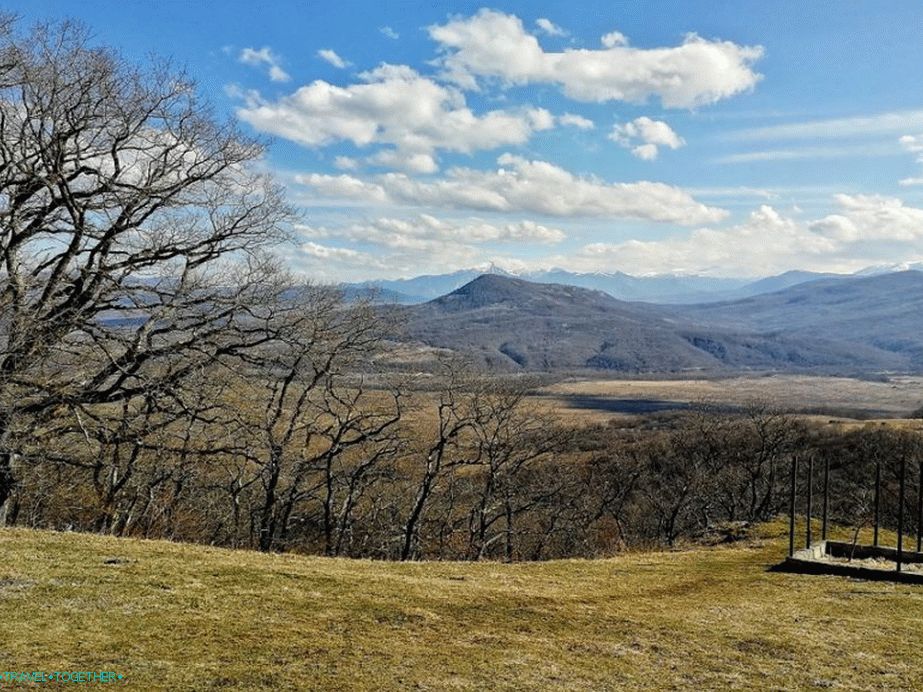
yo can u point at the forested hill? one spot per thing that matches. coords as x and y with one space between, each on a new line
509 323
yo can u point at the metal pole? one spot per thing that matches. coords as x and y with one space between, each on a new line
808 509
877 500
900 517
791 509
920 506
823 526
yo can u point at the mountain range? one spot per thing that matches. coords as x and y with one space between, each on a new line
664 288
882 312
658 288
844 325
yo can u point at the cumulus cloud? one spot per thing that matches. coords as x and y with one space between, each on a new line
330 263
613 39
546 26
329 55
526 186
865 229
395 106
427 232
871 218
264 57
389 32
696 72
389 158
345 163
643 136
762 244
405 161
409 246
578 121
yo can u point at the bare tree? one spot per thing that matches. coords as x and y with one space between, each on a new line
305 409
132 230
456 415
509 440
678 483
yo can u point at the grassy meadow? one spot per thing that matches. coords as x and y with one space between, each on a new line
184 617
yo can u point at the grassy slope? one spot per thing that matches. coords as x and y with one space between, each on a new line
179 617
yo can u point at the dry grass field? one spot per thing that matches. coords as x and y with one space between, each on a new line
831 396
183 617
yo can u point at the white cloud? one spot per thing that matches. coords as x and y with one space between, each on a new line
328 252
740 192
834 128
913 144
264 57
643 136
871 218
613 39
868 135
696 72
833 152
409 162
330 55
761 245
333 264
389 32
427 232
574 120
277 74
540 119
393 106
546 26
409 246
645 152
865 229
329 263
345 163
344 187
521 185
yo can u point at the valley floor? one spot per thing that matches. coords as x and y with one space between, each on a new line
894 397
183 617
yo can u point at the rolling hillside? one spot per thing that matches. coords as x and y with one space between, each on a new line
883 312
509 323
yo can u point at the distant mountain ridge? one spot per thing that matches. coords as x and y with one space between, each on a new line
881 311
513 324
660 288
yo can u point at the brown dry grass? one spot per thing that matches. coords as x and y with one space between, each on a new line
797 393
182 617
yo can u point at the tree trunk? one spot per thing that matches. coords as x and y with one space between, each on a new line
7 484
408 550
267 515
7 478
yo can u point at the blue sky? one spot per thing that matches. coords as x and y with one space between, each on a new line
723 138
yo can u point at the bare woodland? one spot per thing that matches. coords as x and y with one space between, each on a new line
161 375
